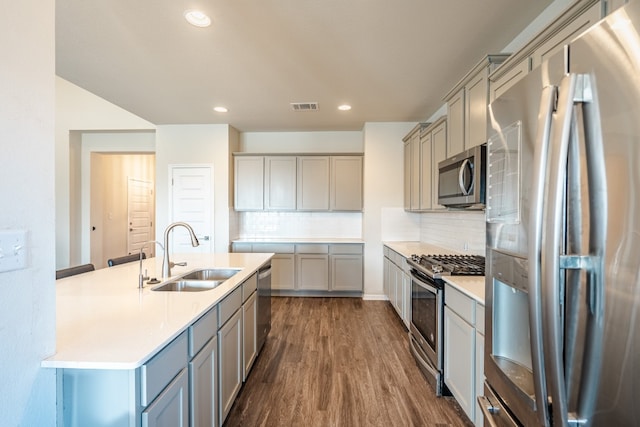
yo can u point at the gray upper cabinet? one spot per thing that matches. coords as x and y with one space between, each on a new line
298 182
313 183
346 183
249 183
280 183
438 154
467 106
576 18
426 181
455 116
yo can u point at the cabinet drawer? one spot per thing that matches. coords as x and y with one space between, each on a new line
312 249
385 251
202 331
162 368
345 249
249 286
461 304
480 318
276 248
397 259
229 305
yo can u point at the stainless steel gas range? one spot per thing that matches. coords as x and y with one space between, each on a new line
427 308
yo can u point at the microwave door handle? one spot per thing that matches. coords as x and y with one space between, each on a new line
540 162
463 168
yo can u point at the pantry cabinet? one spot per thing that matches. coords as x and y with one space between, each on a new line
309 182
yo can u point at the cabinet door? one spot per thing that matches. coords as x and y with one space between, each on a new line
407 176
313 183
566 34
479 377
280 183
249 343
455 117
385 276
397 284
406 298
346 183
501 84
230 363
439 150
346 273
313 271
415 172
283 271
249 183
476 102
459 363
171 407
203 386
426 163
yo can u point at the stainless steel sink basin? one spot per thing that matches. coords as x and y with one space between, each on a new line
211 274
181 285
198 281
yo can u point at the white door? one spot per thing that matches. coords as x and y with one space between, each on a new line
140 216
192 202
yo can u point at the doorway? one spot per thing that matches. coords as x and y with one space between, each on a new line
191 201
117 206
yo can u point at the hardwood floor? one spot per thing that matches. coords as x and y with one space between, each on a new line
338 362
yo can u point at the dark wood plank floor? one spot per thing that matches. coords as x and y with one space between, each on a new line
338 362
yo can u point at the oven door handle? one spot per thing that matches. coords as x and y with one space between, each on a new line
422 284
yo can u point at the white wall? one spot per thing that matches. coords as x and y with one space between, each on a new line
301 142
79 110
384 218
27 297
196 144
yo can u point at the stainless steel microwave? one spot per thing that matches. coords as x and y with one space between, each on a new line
461 179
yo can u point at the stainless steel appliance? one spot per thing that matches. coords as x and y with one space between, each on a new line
461 179
563 217
427 309
264 305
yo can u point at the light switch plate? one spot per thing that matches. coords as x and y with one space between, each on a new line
13 250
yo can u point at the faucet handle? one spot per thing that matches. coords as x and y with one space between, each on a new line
181 264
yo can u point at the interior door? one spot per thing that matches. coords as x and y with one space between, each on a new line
192 202
140 216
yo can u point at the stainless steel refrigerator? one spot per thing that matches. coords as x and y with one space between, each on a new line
563 237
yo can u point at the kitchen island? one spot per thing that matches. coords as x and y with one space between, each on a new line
128 356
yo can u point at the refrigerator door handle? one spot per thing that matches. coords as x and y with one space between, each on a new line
550 251
574 89
540 161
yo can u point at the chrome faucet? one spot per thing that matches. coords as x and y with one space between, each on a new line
143 277
166 264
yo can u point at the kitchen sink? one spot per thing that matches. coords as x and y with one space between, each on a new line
198 280
181 285
211 274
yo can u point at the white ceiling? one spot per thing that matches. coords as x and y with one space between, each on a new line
392 60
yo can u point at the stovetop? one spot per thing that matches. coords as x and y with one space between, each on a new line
436 266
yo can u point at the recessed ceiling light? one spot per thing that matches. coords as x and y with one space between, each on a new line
344 107
220 109
197 18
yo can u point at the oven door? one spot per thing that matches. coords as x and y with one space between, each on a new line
426 328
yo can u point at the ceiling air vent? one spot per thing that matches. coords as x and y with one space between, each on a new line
304 106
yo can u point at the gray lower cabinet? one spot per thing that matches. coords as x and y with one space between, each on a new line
313 271
203 370
397 283
230 358
312 267
249 338
170 408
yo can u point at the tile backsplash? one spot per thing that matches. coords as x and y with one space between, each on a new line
462 231
300 224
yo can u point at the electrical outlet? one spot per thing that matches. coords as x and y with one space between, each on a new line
13 251
465 246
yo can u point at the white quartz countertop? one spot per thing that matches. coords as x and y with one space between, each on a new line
328 240
472 286
103 321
